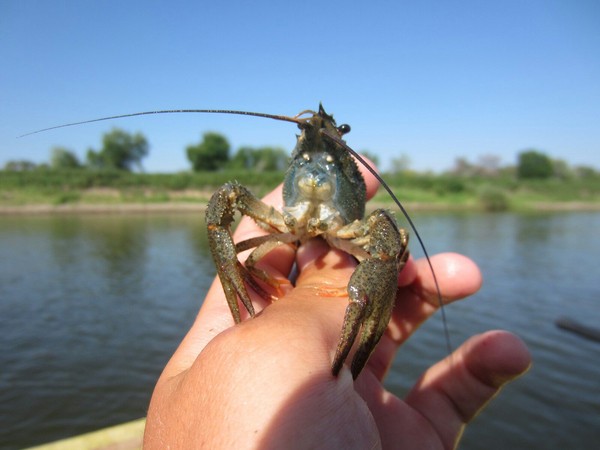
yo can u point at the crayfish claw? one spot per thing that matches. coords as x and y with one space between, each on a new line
352 321
372 292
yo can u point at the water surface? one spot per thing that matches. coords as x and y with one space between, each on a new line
92 307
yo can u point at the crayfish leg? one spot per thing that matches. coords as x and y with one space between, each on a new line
264 245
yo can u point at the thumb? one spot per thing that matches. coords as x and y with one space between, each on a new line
453 391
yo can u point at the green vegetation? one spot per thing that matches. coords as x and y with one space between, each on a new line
120 151
492 198
210 154
498 193
47 186
533 164
106 177
62 158
259 159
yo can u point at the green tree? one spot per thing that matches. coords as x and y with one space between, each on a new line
243 158
259 159
120 150
534 164
212 153
63 158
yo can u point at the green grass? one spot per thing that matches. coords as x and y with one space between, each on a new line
425 190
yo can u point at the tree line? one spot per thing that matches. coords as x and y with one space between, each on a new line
531 164
125 151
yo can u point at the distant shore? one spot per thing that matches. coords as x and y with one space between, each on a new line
200 207
109 208
86 191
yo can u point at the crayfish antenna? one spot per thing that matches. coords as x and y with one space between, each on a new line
170 111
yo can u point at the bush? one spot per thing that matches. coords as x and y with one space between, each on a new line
449 185
493 199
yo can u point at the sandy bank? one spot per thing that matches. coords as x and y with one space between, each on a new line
192 207
119 208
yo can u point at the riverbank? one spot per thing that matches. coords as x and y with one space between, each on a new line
200 207
83 191
107 208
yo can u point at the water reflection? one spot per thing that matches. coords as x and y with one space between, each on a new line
116 248
538 229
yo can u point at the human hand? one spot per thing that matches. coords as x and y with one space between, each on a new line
267 382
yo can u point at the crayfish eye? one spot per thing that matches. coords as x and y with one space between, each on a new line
343 129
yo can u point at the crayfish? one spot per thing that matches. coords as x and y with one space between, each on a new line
324 196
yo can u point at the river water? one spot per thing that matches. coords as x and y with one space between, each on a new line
92 307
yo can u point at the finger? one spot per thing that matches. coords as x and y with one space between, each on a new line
453 391
319 299
371 182
457 277
321 266
417 300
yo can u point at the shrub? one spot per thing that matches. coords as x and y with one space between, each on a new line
493 199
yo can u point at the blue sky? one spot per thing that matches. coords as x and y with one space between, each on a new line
430 80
